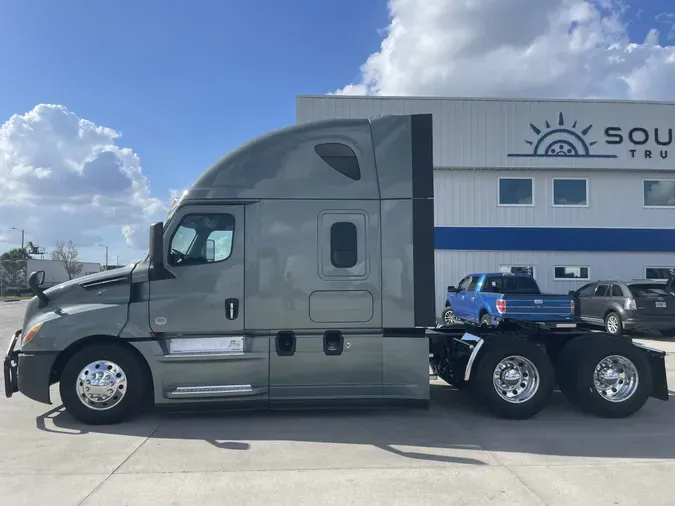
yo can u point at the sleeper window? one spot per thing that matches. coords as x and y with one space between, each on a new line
340 157
343 245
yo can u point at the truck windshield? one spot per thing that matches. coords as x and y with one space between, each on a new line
517 284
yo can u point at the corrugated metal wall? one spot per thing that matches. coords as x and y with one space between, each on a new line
452 266
481 133
469 198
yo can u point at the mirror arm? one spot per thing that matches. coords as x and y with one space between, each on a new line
39 293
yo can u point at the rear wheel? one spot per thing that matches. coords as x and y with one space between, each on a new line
514 378
102 384
613 324
486 320
606 376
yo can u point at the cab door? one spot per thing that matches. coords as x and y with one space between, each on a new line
197 307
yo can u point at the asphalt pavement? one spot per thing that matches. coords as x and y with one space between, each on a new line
454 453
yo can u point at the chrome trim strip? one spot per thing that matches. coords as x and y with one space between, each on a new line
211 389
640 345
203 354
472 358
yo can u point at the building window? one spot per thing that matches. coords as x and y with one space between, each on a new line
659 193
516 191
342 158
202 239
343 247
518 269
659 272
570 273
570 192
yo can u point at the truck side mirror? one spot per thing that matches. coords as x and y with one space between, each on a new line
451 289
571 293
157 244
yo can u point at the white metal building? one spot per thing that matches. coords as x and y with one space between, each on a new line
571 190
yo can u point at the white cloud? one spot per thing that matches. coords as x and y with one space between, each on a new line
64 178
516 48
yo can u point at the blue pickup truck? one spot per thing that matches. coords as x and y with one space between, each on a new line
487 298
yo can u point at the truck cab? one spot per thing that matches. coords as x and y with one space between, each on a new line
298 268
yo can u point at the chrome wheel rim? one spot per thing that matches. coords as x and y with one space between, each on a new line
613 324
616 378
101 385
447 317
516 379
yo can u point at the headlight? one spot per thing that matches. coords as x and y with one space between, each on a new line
31 334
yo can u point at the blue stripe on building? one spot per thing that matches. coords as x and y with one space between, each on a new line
554 239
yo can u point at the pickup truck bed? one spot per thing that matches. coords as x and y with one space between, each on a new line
487 298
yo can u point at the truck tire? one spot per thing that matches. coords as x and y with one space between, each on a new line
613 324
486 320
605 375
448 316
514 378
117 390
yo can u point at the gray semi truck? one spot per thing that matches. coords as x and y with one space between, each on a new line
298 270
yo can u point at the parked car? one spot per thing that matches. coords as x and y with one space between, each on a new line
624 306
486 298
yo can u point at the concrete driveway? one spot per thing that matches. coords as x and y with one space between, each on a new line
451 454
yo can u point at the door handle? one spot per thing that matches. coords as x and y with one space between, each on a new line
231 309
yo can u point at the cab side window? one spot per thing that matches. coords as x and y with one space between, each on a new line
464 284
587 290
202 239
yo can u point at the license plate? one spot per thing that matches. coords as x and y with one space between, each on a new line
660 304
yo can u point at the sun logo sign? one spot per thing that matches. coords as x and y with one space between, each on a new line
560 140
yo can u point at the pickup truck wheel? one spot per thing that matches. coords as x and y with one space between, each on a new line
613 324
102 384
486 320
514 378
606 376
448 316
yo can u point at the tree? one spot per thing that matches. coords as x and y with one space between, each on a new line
13 268
67 253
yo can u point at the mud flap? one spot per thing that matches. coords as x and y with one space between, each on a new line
657 363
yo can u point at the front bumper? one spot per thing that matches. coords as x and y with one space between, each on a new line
28 373
10 366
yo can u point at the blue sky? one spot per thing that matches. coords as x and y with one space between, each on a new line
185 82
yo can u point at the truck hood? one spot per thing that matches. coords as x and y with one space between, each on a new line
101 289
90 281
107 287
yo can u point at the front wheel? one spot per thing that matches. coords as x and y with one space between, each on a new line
514 378
448 316
102 384
606 376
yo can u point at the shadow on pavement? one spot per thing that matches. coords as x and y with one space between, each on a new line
454 422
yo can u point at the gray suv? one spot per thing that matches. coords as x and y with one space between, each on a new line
623 306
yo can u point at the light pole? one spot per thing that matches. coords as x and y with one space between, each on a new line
106 255
23 232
